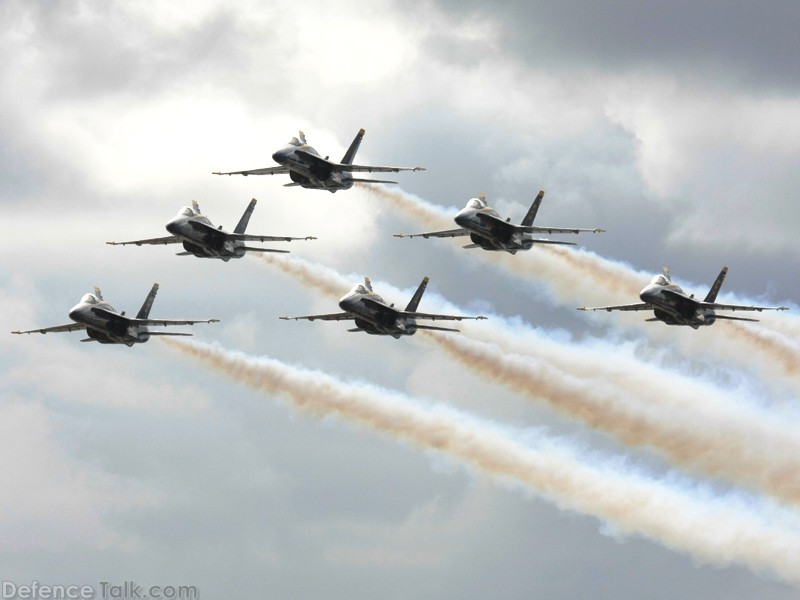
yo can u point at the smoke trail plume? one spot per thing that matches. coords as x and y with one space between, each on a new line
692 426
716 530
324 279
777 346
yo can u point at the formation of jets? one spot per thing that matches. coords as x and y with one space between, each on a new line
372 315
489 231
369 312
671 305
308 169
104 324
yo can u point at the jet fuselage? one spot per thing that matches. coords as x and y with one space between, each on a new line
376 319
311 174
669 308
484 235
200 243
105 329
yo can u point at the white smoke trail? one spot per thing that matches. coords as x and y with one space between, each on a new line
576 276
715 530
694 425
326 280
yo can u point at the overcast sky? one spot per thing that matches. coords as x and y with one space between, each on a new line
675 126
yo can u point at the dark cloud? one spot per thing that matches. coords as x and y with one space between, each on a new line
722 43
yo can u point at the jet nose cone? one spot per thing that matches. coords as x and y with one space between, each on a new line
648 294
280 156
461 219
347 303
74 313
172 227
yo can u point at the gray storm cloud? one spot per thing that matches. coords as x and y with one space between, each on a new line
715 530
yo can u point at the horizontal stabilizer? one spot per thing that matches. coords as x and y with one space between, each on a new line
434 328
249 249
167 333
373 181
355 330
88 340
538 241
727 318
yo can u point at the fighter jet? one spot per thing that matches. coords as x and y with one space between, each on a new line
673 306
489 231
308 169
200 238
107 326
372 315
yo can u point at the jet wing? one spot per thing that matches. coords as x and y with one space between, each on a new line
640 306
344 167
165 322
329 317
446 233
538 229
118 318
504 228
246 237
264 171
56 329
170 239
373 169
715 306
434 317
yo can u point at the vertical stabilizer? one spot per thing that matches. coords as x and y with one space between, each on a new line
367 284
712 293
414 302
351 151
98 294
242 225
196 206
531 215
144 312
